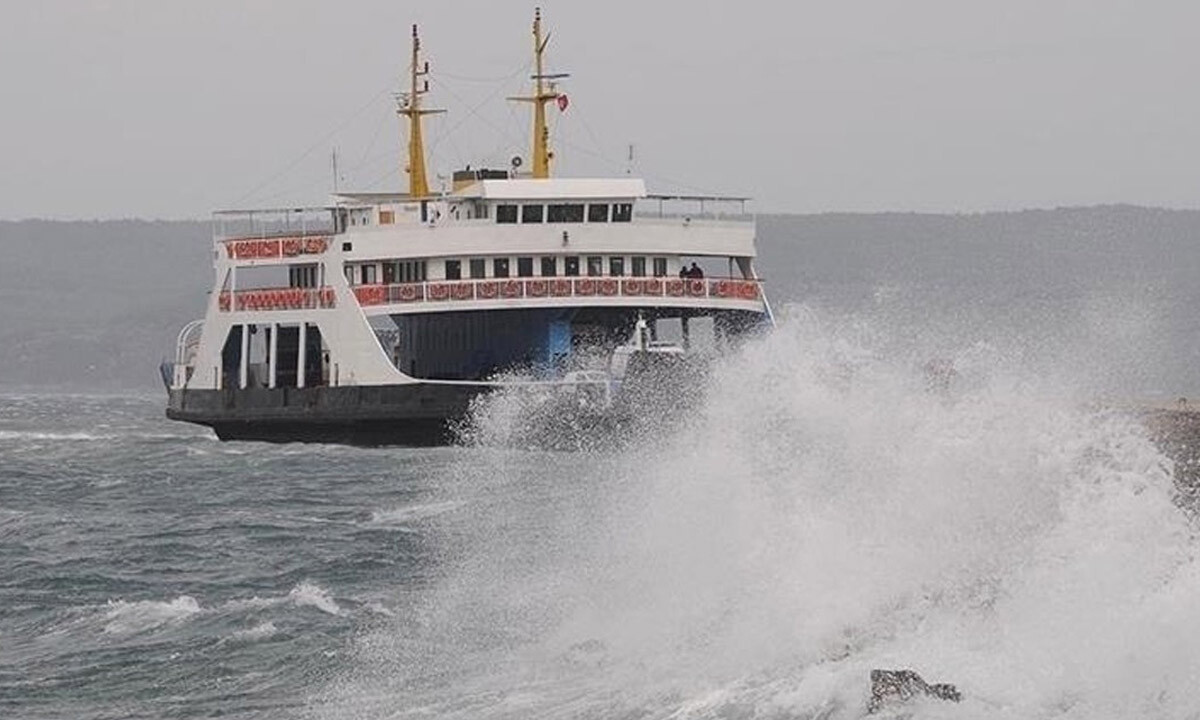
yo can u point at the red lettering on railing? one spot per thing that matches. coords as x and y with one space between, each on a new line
276 299
276 247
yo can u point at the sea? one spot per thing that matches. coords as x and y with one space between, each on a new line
819 509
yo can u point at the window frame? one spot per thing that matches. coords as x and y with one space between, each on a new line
592 215
457 273
533 218
551 262
502 213
479 264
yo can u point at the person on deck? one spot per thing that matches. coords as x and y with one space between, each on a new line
695 272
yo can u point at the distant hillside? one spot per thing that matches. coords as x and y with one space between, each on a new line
96 305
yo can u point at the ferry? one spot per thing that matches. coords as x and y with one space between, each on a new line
379 318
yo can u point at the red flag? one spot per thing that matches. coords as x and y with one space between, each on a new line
563 102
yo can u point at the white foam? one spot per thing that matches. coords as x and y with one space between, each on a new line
823 514
132 617
260 631
412 513
308 594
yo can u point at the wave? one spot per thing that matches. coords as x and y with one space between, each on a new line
822 510
413 513
123 618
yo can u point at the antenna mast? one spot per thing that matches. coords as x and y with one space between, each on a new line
541 95
410 106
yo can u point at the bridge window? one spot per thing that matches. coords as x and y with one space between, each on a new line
571 265
549 266
616 266
478 268
565 212
369 275
454 269
500 267
506 214
660 267
595 266
598 212
622 212
531 213
637 266
524 267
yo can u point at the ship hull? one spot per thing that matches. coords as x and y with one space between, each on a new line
417 414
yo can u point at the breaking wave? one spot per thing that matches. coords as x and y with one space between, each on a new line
821 510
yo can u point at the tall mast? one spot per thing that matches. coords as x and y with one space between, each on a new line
410 107
542 94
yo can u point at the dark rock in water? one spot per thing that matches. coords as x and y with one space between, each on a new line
889 686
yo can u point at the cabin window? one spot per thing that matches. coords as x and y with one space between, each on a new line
598 212
303 276
500 267
660 267
571 265
637 266
506 214
622 212
410 271
616 266
565 212
549 266
369 274
348 271
524 267
531 213
389 273
478 268
454 269
595 266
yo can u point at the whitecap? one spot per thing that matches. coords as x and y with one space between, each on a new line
260 631
308 594
132 617
413 513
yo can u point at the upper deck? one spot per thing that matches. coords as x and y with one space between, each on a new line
488 216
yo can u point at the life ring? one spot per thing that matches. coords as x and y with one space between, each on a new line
408 292
585 286
439 291
511 289
652 286
314 246
631 287
463 291
223 302
675 288
696 287
268 248
291 247
487 290
561 288
536 288
608 286
749 291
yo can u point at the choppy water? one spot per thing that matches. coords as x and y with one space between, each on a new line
818 515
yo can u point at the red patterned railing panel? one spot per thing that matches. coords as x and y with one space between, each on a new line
276 299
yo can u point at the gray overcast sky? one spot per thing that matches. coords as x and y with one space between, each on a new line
172 108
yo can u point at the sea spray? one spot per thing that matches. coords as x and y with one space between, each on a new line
817 513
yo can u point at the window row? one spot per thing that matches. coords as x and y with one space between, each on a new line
550 266
401 271
564 213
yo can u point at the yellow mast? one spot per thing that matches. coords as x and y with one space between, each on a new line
541 96
410 106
